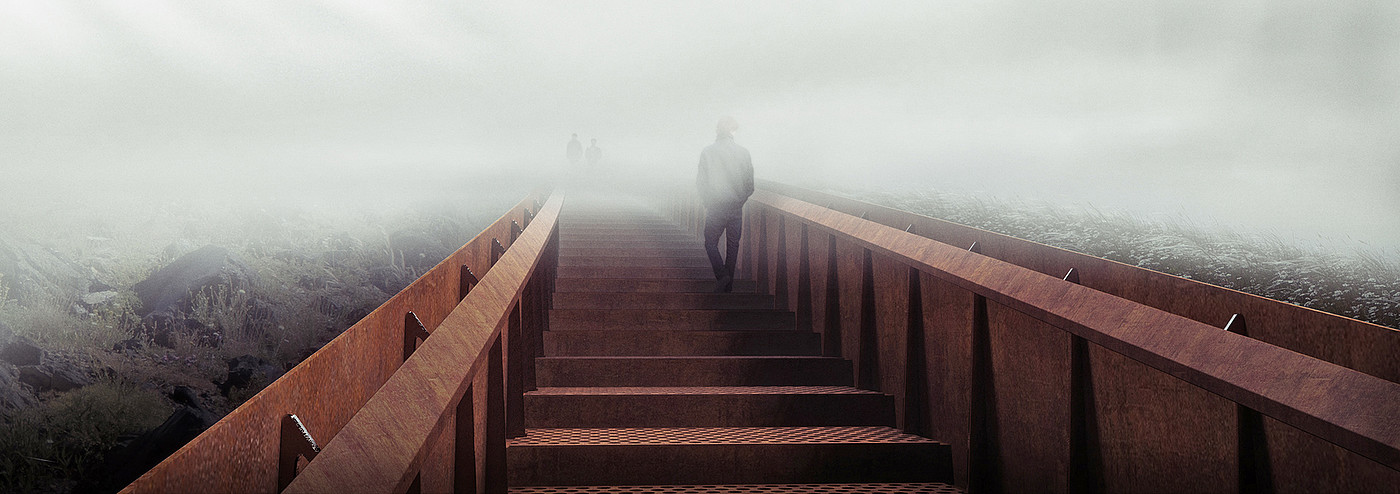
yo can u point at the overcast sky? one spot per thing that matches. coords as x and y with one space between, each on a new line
1277 115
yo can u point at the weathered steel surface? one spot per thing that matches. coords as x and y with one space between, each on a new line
392 437
1347 342
239 453
1162 384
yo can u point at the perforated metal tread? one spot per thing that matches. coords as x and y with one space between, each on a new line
705 390
629 436
885 488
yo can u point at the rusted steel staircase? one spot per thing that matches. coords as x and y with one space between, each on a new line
648 380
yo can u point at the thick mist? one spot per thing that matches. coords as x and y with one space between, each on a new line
1276 116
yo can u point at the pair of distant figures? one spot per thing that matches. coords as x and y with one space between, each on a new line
576 152
724 181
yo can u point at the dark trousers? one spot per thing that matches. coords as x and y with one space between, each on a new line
732 226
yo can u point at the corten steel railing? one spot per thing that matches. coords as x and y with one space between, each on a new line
1350 343
1043 384
327 400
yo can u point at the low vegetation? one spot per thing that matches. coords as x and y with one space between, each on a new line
1349 281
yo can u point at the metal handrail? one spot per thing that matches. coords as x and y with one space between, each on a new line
385 447
242 451
1350 409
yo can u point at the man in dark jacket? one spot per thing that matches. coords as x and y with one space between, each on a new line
575 151
725 181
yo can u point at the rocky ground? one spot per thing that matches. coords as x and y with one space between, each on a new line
123 337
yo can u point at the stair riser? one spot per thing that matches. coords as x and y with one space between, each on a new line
728 464
678 343
631 252
634 273
628 263
621 285
629 237
708 301
624 230
680 371
663 319
631 244
740 410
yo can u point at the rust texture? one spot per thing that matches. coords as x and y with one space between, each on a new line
1346 342
1148 402
240 452
401 429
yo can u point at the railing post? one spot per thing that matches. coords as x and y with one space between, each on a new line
915 363
515 375
495 475
984 455
780 279
413 330
1256 474
294 443
867 340
761 267
465 282
1085 461
804 283
831 309
464 444
497 250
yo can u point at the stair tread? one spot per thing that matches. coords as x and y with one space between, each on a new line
651 436
699 390
870 488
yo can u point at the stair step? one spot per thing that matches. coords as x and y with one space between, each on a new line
712 406
639 235
724 455
628 263
868 488
579 371
577 300
669 319
656 285
704 273
680 343
695 250
614 243
623 229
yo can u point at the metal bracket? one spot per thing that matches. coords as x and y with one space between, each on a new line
909 229
1236 325
413 330
1072 276
973 248
865 215
295 443
514 231
529 216
497 250
466 281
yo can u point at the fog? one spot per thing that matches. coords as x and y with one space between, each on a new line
1262 115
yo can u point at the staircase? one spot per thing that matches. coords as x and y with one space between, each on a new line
651 383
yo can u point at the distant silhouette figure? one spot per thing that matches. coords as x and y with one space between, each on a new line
594 154
725 182
575 150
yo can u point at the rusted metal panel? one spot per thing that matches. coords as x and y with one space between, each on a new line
239 453
383 447
1030 377
948 350
1345 407
1347 342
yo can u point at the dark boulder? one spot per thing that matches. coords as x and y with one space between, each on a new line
32 271
12 393
122 466
247 369
170 287
21 351
54 375
6 334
